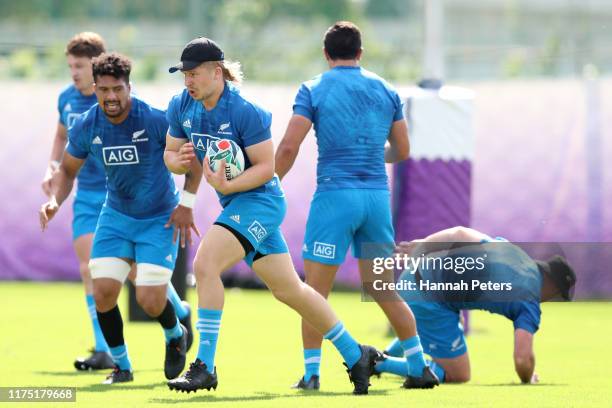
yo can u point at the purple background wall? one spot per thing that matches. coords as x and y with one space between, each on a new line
529 175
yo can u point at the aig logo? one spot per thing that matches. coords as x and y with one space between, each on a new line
258 231
120 155
201 140
324 250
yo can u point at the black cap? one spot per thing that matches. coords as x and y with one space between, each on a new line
561 273
197 51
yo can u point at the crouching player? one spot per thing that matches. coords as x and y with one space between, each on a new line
127 137
253 208
438 322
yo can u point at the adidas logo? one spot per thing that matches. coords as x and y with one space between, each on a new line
97 140
235 218
68 107
205 342
187 123
169 258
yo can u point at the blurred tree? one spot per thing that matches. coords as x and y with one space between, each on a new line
147 68
389 8
23 63
549 56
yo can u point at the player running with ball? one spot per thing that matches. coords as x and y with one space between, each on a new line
127 137
254 206
354 113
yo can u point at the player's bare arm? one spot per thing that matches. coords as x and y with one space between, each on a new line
261 156
524 357
62 183
289 147
179 155
182 216
59 143
440 240
398 148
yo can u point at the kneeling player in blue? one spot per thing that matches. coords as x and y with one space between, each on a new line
440 328
127 136
254 206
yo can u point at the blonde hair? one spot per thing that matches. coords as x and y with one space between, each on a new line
232 70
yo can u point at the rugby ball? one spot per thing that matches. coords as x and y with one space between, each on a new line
230 151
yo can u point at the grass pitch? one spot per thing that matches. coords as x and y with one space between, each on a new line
45 326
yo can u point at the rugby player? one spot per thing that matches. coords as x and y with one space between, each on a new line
126 136
210 108
359 125
91 188
439 324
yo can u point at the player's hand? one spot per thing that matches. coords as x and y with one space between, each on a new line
182 221
47 212
186 155
46 183
406 247
216 179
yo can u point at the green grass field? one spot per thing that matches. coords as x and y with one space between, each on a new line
44 326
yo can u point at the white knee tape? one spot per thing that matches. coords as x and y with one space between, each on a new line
152 275
113 268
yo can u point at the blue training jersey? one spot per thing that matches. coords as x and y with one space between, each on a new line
132 154
505 262
352 111
71 103
234 117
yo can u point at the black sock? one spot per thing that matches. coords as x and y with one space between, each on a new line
112 326
167 318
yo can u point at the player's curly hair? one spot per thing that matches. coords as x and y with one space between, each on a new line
113 64
86 44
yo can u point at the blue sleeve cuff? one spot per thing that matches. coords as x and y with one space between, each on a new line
264 135
399 114
302 111
75 151
177 132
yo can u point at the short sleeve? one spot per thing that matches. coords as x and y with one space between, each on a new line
175 128
255 125
529 317
77 139
399 108
303 103
60 109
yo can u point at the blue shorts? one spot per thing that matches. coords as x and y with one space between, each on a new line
341 218
86 209
439 329
143 240
257 217
438 326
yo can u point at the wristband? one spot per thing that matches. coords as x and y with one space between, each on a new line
187 199
54 164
